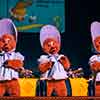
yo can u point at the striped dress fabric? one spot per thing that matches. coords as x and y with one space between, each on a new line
8 73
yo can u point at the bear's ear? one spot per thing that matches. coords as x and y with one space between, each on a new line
49 31
8 27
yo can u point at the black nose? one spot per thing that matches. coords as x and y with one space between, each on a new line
5 44
5 47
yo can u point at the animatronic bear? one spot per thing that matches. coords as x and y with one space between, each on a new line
94 61
10 61
53 66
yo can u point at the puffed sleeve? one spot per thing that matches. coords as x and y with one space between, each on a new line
92 59
43 59
19 56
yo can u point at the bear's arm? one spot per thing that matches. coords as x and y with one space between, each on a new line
95 66
16 62
43 67
94 63
65 62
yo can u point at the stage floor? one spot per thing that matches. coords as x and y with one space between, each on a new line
50 98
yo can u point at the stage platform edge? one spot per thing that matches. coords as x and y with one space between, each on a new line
50 98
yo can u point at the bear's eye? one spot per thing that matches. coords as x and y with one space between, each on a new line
99 42
49 43
97 46
7 40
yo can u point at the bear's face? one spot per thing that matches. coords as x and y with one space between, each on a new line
9 42
51 46
97 43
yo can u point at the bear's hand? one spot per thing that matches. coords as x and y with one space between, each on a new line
43 67
14 64
65 62
95 66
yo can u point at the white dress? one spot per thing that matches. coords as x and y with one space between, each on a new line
8 73
57 71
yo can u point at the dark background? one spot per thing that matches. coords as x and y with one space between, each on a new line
76 41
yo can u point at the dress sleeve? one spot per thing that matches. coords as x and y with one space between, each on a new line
92 59
19 56
43 59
